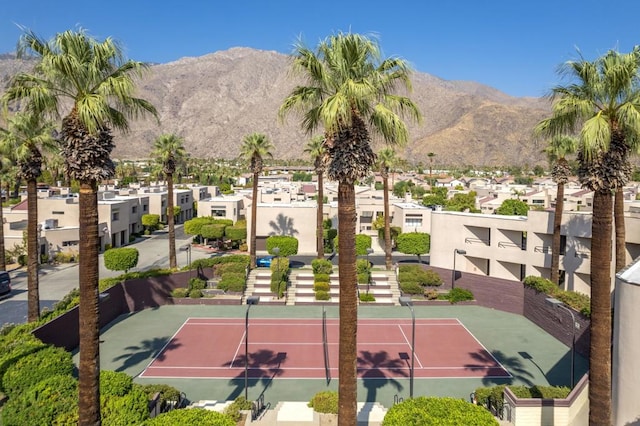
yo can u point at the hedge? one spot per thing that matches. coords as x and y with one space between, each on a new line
437 411
223 268
12 350
167 393
321 286
232 281
578 301
322 295
191 416
321 278
212 261
411 288
459 294
322 266
325 402
115 383
496 393
233 410
121 259
288 245
196 283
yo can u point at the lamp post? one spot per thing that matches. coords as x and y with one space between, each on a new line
187 248
558 304
406 301
369 251
251 300
276 252
453 274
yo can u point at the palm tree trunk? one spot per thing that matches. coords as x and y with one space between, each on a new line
387 225
3 260
320 217
621 252
33 308
254 222
347 367
171 219
555 245
600 355
89 366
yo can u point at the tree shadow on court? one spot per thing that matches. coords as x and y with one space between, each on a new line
379 371
513 365
264 366
134 355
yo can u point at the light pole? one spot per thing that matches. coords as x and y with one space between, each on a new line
369 251
276 252
453 274
187 248
406 301
251 300
558 304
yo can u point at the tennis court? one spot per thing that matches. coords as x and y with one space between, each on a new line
294 348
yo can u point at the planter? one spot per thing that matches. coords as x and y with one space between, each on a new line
218 300
327 419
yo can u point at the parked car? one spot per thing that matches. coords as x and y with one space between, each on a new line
5 282
264 261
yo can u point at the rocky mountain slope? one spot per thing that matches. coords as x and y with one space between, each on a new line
215 100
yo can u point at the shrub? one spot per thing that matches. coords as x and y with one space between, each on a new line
195 293
31 369
191 416
232 281
321 278
278 287
459 294
367 297
411 288
437 411
130 409
362 265
121 259
179 292
325 402
114 383
321 266
321 286
288 245
196 283
431 294
496 393
224 268
167 393
549 392
540 284
578 301
13 349
43 403
212 261
322 295
363 277
431 278
233 410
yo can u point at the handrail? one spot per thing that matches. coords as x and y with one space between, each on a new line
469 240
542 249
509 244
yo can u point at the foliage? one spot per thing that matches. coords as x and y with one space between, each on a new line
321 277
223 268
191 416
37 366
278 285
496 393
367 297
167 393
129 409
321 286
288 245
322 266
121 259
362 266
194 226
437 411
233 281
233 410
461 202
180 292
325 402
151 221
363 277
417 243
459 294
363 242
212 261
212 231
578 301
195 293
236 233
115 383
419 275
43 403
513 207
196 283
106 283
301 177
323 295
410 287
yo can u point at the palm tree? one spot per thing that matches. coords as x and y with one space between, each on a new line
349 91
95 80
386 160
431 155
26 137
168 151
603 103
255 147
315 149
6 164
557 149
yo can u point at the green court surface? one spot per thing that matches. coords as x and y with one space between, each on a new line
131 342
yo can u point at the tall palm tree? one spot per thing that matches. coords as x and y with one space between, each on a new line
386 159
431 155
557 150
97 83
26 138
315 149
255 148
601 102
349 91
168 150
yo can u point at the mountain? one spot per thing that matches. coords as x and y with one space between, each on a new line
213 101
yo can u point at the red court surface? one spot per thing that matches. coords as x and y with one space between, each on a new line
214 348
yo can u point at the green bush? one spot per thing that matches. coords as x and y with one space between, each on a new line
541 285
367 297
437 411
431 294
43 403
179 292
363 277
233 281
195 293
224 268
431 278
130 409
496 393
278 287
549 392
321 266
32 368
167 393
233 410
321 278
196 283
121 259
578 301
191 416
459 294
115 383
325 402
288 245
322 295
362 266
210 262
321 285
411 288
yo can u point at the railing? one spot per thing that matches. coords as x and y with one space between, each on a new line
509 244
477 241
542 249
257 407
397 399
581 254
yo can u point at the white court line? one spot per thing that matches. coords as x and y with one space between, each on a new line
409 343
486 350
235 355
163 348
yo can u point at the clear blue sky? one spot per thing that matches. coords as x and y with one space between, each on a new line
512 45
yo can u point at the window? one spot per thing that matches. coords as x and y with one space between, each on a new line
413 222
218 212
70 243
134 209
115 216
538 201
57 212
145 208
